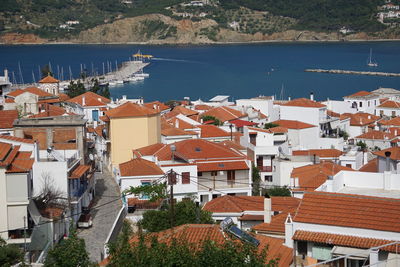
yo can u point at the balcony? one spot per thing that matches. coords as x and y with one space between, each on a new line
265 168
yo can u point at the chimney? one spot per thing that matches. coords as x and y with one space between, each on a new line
289 98
312 96
36 151
387 154
267 209
124 97
83 101
176 123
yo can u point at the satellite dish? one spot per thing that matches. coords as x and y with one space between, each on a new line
91 157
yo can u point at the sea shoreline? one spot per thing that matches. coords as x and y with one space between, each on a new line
204 44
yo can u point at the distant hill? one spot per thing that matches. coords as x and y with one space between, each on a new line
210 20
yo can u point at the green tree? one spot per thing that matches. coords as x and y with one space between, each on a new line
98 89
216 121
270 125
148 251
184 212
362 145
75 89
69 252
9 254
256 179
278 191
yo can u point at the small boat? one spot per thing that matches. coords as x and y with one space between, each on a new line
370 63
119 81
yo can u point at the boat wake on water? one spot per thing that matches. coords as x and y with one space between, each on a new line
174 60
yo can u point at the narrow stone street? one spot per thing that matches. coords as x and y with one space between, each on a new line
107 191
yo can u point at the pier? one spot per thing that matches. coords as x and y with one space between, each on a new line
352 72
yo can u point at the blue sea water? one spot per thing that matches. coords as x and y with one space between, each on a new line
240 70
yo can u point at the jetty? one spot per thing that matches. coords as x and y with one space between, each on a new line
353 72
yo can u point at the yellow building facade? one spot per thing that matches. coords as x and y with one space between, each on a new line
131 126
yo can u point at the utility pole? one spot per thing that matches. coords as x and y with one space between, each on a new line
171 181
24 234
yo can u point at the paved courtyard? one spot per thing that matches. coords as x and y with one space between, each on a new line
103 217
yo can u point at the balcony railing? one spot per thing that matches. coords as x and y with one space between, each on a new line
265 168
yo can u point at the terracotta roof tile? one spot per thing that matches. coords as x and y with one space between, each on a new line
343 240
392 122
360 119
143 204
332 114
232 144
190 149
249 217
10 156
139 167
390 104
345 210
21 165
276 226
304 102
38 92
9 100
157 105
130 110
278 129
171 131
181 124
376 135
290 124
240 123
311 177
49 79
222 166
50 111
359 94
322 153
185 111
7 118
79 171
202 107
224 114
371 166
91 100
208 131
15 93
4 150
394 153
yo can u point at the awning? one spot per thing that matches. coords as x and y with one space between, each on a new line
355 253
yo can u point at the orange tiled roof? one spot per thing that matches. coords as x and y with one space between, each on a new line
143 204
99 130
130 109
190 149
311 177
277 225
52 212
376 135
224 113
9 100
360 119
185 111
21 163
50 111
392 122
249 217
345 210
343 240
49 79
38 92
290 124
17 139
4 150
63 97
171 131
15 93
235 204
390 104
284 203
91 100
202 107
7 118
332 113
222 166
79 171
394 153
138 167
212 131
322 153
181 124
359 94
157 105
278 129
371 166
304 102
232 144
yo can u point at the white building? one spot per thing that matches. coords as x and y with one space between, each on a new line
363 101
388 108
